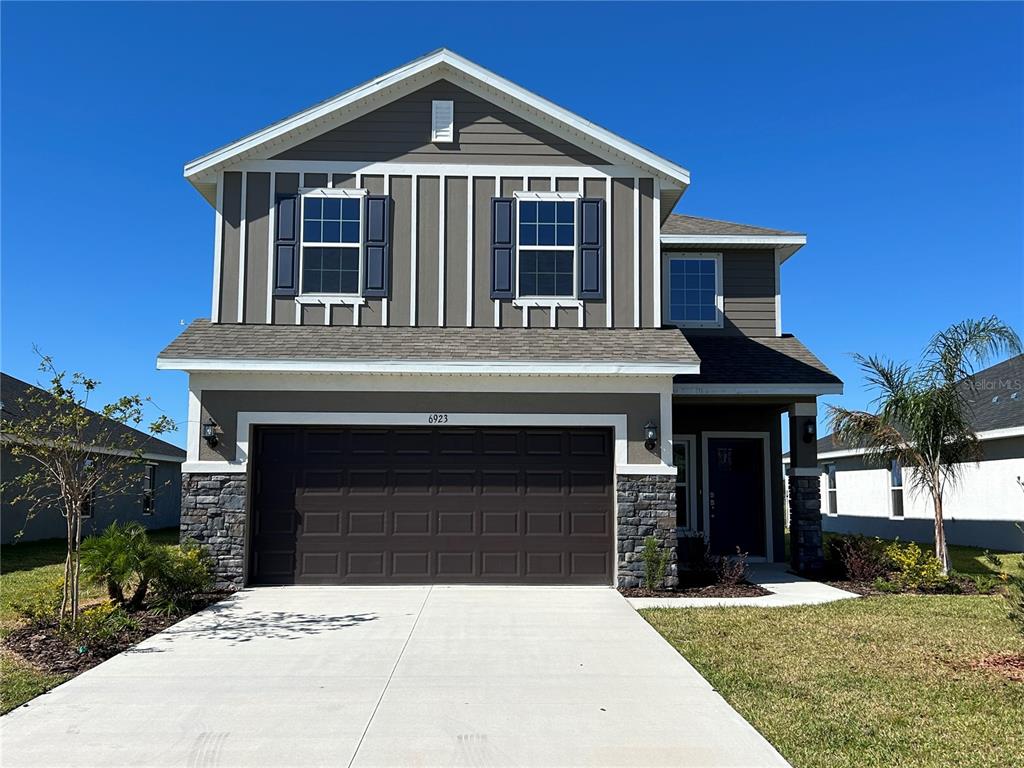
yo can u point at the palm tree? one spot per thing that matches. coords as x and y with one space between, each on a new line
923 418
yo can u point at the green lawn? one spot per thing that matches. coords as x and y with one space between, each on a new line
27 569
881 681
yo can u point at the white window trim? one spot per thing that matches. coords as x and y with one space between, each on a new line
328 192
830 508
690 481
539 196
666 290
900 488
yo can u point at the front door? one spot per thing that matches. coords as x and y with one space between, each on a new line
735 495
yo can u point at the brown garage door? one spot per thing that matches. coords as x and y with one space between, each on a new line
351 505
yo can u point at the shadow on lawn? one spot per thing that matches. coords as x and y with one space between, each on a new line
228 622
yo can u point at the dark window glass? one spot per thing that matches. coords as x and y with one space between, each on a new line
330 270
149 489
692 291
551 225
330 220
545 273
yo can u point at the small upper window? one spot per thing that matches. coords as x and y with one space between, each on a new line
547 248
896 488
331 241
693 290
833 491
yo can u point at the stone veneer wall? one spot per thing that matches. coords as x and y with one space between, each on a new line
213 513
806 553
647 507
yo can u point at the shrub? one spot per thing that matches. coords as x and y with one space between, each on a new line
858 558
119 557
42 606
726 570
655 559
183 574
914 567
100 624
884 585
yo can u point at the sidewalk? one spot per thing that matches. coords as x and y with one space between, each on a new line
787 589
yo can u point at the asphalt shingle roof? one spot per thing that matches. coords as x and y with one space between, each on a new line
681 224
16 402
206 340
762 360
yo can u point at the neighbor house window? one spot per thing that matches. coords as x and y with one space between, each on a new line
833 496
896 488
88 504
149 489
693 290
331 240
547 246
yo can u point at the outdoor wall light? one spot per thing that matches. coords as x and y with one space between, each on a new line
809 432
210 433
650 435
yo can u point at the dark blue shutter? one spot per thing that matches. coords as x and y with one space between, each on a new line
377 247
503 227
592 247
286 247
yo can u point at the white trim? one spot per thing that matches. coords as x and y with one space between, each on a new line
552 303
690 441
538 196
384 300
666 265
218 467
414 245
242 238
526 367
442 196
581 312
645 469
609 213
733 239
656 252
470 255
218 224
665 427
195 416
434 66
357 308
497 302
790 390
487 170
763 436
324 193
271 224
325 299
778 294
636 253
892 511
148 456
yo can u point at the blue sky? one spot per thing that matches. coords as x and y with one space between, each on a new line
891 134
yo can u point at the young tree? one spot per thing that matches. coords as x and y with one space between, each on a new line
923 418
71 458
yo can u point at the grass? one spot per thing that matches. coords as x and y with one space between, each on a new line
27 570
882 681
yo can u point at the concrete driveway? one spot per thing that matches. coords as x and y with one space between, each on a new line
399 676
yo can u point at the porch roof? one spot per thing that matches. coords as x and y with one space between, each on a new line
757 365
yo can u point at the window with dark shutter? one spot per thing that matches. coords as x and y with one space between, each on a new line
286 249
592 245
502 246
377 247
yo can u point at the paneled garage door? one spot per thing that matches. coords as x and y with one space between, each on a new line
356 505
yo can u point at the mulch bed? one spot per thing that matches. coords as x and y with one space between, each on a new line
745 589
43 647
1008 665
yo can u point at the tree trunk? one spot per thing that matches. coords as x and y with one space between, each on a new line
941 552
65 595
114 592
140 594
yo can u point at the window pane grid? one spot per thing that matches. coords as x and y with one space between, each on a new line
330 270
693 290
545 273
330 220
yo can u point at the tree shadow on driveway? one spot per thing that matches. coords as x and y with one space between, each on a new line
231 622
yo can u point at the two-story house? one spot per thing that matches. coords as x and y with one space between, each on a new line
457 335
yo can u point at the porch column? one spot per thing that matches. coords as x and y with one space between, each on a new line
806 554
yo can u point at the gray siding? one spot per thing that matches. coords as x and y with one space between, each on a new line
623 252
400 131
595 312
427 221
483 304
231 240
401 251
456 256
224 405
257 212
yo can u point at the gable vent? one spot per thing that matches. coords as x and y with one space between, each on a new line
442 122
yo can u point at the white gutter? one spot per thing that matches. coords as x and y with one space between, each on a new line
989 434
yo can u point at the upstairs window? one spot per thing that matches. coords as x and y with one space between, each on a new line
692 287
896 489
332 242
547 246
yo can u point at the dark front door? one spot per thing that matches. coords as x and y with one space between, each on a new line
736 500
354 505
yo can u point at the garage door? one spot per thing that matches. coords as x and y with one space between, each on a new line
353 505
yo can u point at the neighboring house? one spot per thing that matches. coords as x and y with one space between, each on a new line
457 336
986 509
156 503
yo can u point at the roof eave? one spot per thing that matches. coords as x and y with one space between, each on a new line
785 245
